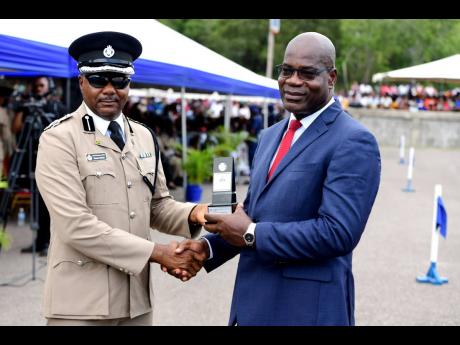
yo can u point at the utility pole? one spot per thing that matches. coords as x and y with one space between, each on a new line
273 29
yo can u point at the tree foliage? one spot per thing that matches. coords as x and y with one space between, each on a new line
371 46
364 46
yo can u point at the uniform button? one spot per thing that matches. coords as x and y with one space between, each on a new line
130 273
98 174
80 263
132 215
121 269
130 184
123 156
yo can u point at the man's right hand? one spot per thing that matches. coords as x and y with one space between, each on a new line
197 248
186 263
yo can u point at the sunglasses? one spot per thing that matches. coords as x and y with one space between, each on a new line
306 74
99 81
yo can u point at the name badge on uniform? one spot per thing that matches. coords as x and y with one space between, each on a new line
145 154
96 156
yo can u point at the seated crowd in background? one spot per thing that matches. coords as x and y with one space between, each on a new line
412 97
163 115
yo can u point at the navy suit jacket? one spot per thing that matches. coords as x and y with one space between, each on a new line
310 216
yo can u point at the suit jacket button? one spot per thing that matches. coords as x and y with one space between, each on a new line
123 156
130 184
80 263
132 215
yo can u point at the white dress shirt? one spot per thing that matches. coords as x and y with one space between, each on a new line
306 122
102 125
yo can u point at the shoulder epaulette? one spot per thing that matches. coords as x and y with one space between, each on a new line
139 123
58 121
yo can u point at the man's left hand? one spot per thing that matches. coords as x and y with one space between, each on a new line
230 227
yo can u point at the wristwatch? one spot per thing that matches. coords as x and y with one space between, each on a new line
250 236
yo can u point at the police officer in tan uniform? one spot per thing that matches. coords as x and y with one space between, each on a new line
97 172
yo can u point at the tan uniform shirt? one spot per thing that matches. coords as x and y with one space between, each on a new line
101 212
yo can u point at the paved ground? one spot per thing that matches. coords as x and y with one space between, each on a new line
394 249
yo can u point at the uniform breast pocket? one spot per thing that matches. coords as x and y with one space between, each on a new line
100 182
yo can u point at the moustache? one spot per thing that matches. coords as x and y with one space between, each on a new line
108 99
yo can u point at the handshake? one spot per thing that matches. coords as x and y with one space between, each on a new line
184 260
181 260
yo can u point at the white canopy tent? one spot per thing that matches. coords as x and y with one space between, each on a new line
445 70
168 58
160 44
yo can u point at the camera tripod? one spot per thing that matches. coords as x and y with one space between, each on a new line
33 126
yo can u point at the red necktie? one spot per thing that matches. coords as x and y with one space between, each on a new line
285 145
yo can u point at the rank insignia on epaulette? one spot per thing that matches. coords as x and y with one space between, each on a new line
145 154
58 121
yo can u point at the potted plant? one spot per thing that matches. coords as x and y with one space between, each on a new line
198 167
227 142
228 146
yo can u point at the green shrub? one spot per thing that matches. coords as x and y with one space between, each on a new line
198 165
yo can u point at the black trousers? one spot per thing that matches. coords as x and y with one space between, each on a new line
43 233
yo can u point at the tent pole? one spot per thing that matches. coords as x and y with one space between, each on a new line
67 94
228 109
184 138
265 113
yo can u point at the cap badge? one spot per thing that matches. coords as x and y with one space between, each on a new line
108 51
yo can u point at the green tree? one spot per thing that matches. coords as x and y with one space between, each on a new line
370 46
245 40
363 46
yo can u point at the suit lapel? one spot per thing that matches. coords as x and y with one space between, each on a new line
129 134
104 141
312 133
274 142
267 154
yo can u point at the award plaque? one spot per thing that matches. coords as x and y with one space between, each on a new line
223 186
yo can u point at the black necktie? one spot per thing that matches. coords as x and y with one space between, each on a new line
115 134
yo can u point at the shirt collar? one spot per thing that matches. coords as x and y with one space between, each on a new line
102 124
308 120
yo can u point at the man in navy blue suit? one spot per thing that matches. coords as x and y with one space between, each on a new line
314 180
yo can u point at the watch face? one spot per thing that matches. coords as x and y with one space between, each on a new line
249 237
